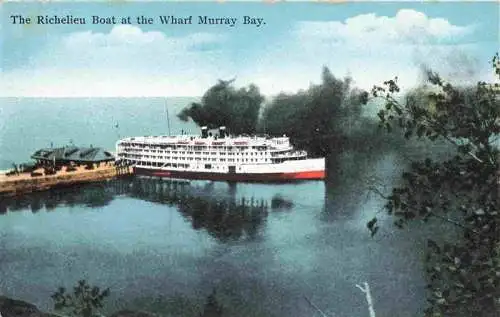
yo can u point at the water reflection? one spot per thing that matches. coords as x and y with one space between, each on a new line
206 206
215 207
348 190
88 195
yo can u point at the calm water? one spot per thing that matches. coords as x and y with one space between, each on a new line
163 246
28 124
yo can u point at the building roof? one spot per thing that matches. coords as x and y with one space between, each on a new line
73 154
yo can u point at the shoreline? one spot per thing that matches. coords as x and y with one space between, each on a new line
25 183
11 307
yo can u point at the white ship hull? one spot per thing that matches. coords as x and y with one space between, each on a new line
308 169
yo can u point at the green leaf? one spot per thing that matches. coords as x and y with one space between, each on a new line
431 244
420 130
371 223
408 133
479 212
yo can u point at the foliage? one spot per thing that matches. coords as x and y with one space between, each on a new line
84 301
224 105
315 115
212 307
464 276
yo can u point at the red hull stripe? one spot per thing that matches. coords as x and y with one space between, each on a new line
307 175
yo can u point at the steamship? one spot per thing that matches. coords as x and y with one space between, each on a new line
219 156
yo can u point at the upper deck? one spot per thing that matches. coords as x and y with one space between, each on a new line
242 142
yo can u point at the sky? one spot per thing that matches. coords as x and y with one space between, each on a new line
370 42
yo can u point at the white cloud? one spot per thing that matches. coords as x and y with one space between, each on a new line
127 46
133 36
127 61
408 26
373 48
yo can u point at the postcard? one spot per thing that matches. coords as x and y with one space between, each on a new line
248 158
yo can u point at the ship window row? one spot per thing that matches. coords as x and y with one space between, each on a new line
129 155
158 164
281 160
178 165
139 146
205 153
162 155
199 159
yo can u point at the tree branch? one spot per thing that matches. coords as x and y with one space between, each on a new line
470 153
452 221
378 192
369 300
429 122
456 223
315 307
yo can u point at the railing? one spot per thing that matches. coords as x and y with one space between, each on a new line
290 154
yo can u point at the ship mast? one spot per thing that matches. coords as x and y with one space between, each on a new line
168 118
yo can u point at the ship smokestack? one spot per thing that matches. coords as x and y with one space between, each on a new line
222 132
204 132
